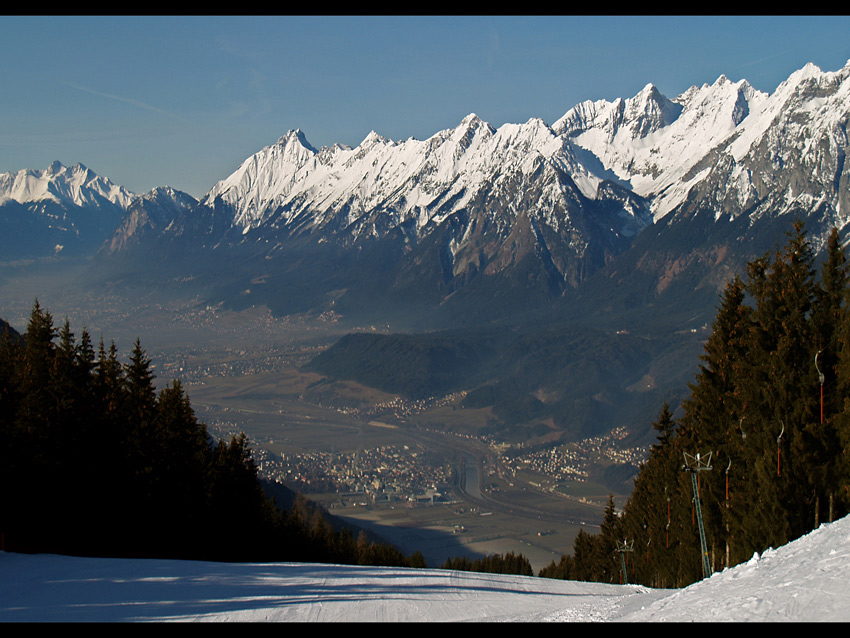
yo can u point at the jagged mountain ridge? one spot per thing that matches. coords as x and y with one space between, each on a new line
758 145
790 157
46 212
76 185
558 203
475 208
414 187
151 213
411 180
467 202
784 160
648 143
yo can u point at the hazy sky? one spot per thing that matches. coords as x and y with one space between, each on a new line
181 101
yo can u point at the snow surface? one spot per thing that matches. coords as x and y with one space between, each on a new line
803 581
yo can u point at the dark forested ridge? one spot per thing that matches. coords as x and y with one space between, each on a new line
584 371
509 563
767 413
95 461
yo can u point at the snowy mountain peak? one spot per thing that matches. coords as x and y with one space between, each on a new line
372 139
473 122
263 177
74 186
648 93
473 200
809 70
637 117
296 136
649 111
166 194
159 191
811 78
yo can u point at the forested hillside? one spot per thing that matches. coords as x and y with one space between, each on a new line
95 461
766 424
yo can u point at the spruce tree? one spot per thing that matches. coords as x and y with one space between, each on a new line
34 374
778 467
713 418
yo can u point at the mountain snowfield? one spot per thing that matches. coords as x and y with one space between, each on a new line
805 580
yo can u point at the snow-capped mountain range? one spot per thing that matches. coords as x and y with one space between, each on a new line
554 203
414 179
658 148
76 186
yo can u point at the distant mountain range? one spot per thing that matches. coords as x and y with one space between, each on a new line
637 210
529 209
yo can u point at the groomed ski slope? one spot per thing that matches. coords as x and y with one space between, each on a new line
807 580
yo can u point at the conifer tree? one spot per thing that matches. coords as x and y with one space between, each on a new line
34 374
755 405
840 419
828 318
608 567
184 455
96 462
822 435
139 382
655 501
138 420
108 380
713 418
777 391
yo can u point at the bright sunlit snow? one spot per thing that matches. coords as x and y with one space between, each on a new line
803 581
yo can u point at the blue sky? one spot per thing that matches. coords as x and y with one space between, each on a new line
181 101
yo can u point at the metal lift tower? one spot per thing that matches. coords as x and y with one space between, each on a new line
695 465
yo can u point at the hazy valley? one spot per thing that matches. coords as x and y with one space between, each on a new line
243 371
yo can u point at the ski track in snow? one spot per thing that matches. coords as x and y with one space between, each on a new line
803 581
